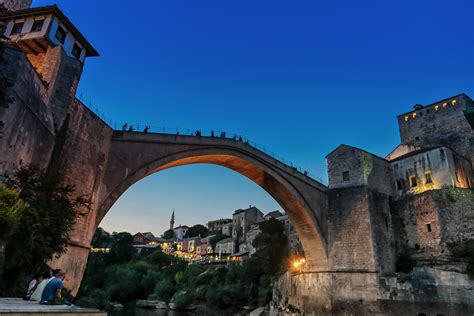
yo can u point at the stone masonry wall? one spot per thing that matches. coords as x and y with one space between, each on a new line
360 231
362 168
26 125
445 126
81 151
350 241
449 214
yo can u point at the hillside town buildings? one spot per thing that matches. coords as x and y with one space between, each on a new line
229 247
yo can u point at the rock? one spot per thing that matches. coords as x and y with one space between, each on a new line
116 305
189 307
152 304
258 311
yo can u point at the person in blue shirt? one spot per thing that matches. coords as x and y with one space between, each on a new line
52 291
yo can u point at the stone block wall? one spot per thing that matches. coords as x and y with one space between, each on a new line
360 231
349 166
350 240
449 214
442 123
26 126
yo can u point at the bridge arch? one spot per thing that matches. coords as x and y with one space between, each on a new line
134 156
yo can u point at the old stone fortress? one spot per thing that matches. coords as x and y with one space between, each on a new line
352 232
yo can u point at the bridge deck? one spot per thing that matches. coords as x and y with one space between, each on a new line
17 306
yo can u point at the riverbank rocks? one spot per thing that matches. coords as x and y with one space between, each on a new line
152 304
115 305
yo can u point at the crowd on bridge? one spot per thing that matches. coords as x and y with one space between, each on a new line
147 128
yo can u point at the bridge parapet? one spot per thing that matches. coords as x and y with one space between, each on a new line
202 140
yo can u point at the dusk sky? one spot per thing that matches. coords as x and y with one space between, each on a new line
297 77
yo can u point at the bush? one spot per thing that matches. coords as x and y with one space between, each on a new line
182 299
165 289
451 195
464 250
96 299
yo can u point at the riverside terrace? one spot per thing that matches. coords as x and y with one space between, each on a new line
17 306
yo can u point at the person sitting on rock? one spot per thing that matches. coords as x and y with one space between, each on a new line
52 291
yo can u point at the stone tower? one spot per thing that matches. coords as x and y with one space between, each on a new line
13 5
172 221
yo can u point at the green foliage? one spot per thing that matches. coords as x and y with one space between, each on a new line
97 299
405 261
464 250
183 299
11 208
122 248
42 230
164 289
451 195
198 230
274 259
226 288
101 239
169 234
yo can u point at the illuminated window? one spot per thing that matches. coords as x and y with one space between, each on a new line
414 115
436 107
413 183
17 27
345 176
428 178
453 102
445 104
406 118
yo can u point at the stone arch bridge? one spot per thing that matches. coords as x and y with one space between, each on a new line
132 156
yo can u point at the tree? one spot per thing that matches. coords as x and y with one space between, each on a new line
198 230
44 225
101 239
272 247
122 248
11 208
169 234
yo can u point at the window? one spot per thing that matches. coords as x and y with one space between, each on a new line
399 184
428 227
413 181
428 178
76 51
37 26
17 27
345 176
60 35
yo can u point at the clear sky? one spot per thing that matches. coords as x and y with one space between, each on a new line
298 77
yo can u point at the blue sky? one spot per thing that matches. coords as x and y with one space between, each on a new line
298 77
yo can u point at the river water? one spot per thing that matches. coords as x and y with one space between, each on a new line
147 312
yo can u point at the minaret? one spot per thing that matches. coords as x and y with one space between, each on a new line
172 221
